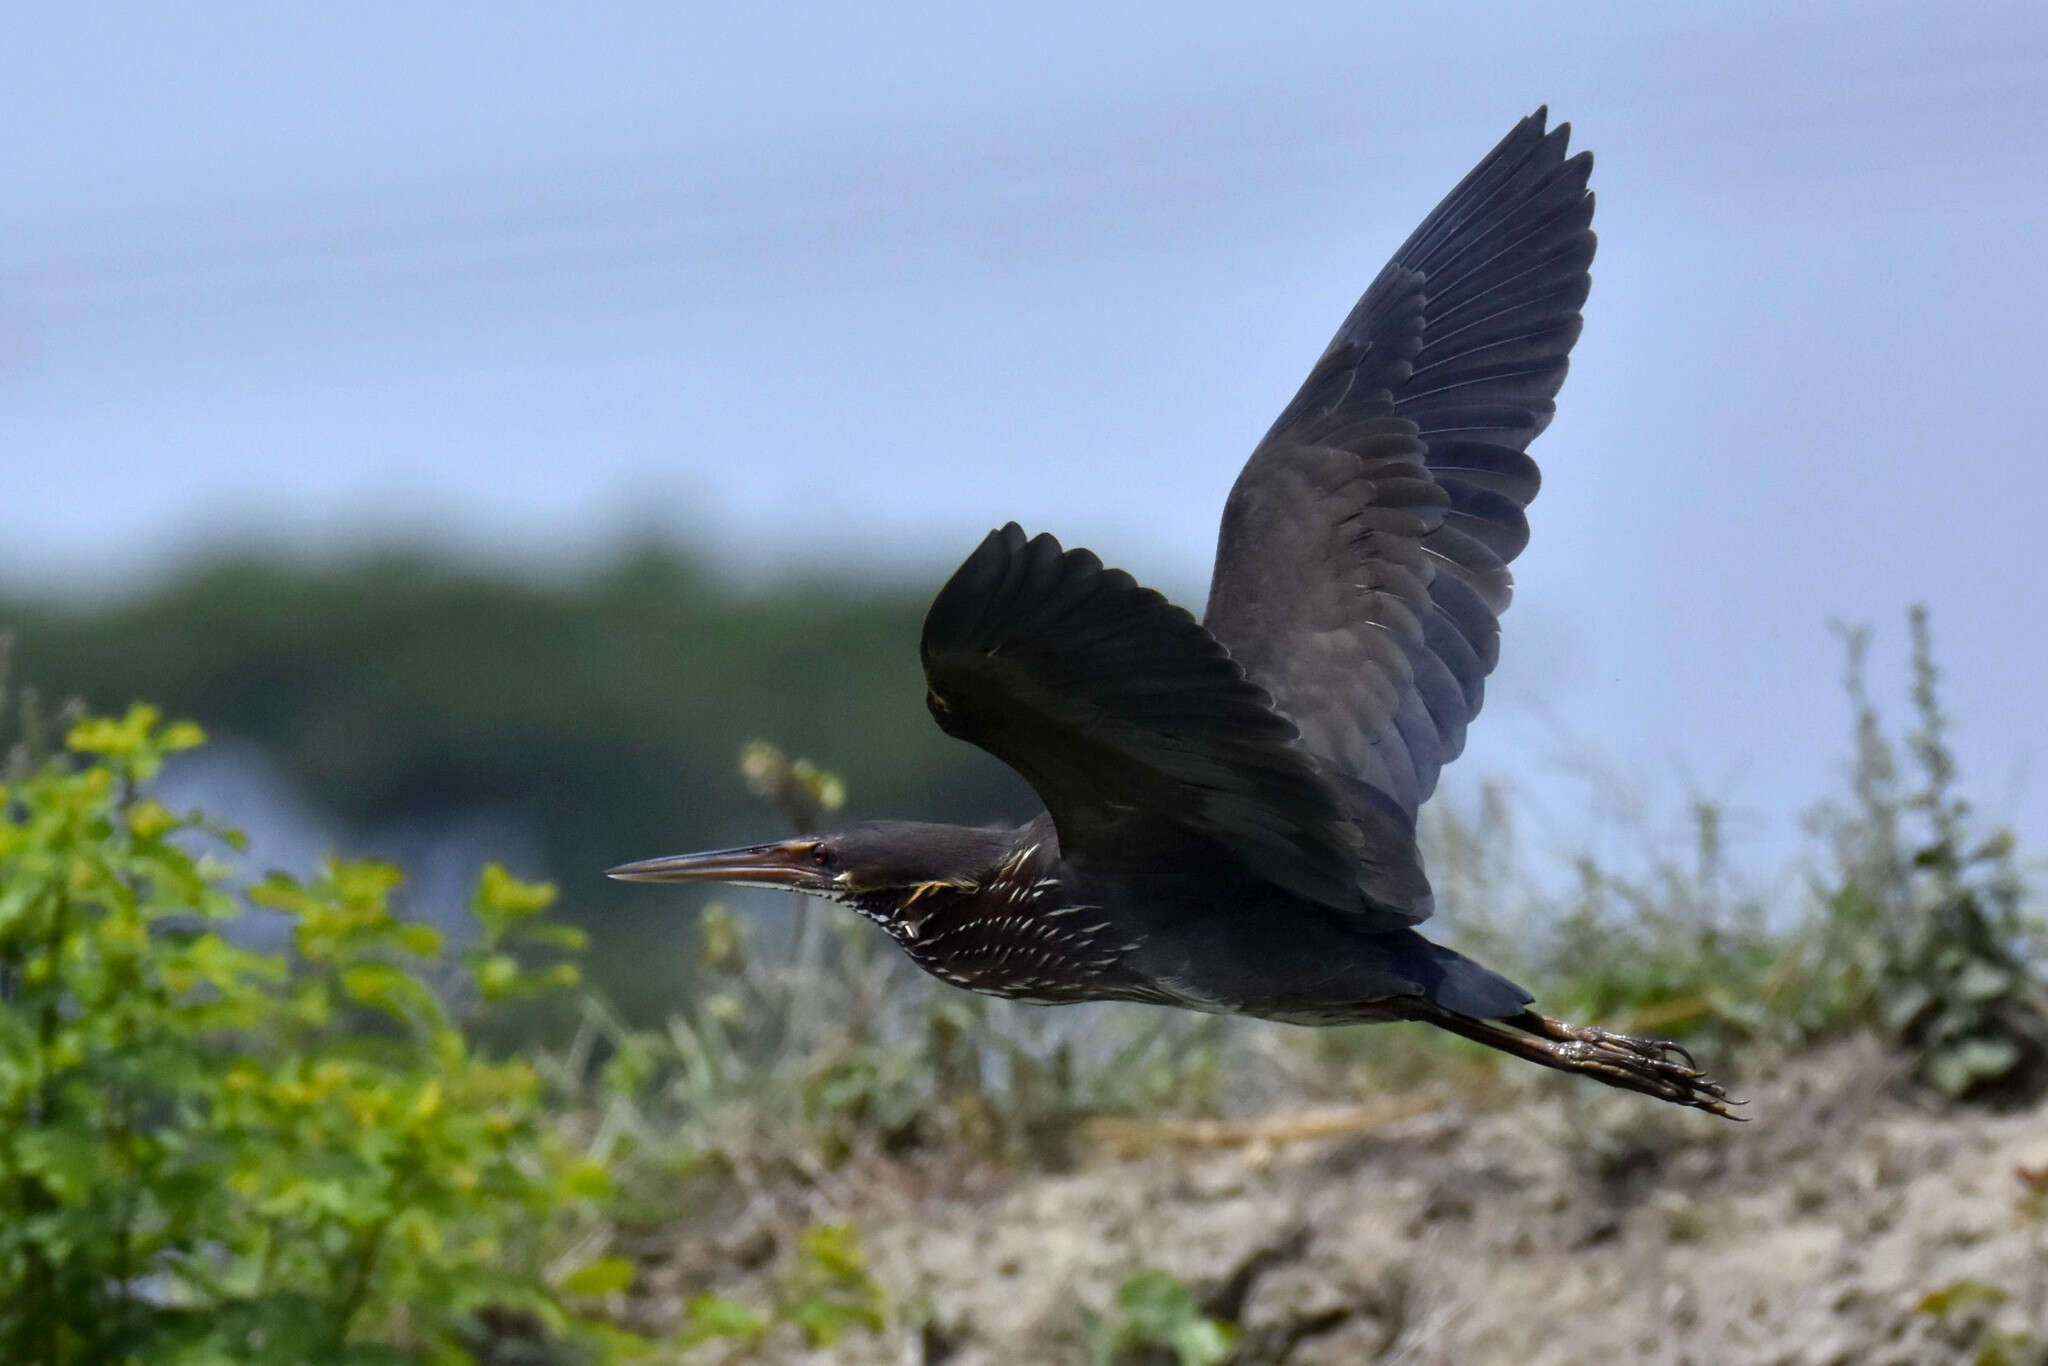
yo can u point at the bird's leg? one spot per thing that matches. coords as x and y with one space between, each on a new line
1650 1067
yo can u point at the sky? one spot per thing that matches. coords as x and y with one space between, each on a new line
842 288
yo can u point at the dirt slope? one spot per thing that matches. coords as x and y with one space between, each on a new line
1571 1226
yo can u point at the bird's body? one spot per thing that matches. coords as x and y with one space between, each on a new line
1029 927
1231 803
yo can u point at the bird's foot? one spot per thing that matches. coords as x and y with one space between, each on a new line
1650 1067
1654 1067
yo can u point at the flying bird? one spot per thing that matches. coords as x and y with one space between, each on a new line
1230 803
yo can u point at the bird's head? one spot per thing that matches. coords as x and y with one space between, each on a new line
872 857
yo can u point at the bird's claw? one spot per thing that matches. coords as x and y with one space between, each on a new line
1654 1050
1658 1067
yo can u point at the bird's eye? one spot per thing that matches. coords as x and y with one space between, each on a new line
821 854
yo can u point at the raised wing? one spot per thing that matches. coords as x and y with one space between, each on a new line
1134 726
1361 569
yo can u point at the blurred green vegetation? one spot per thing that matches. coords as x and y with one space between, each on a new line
209 1151
602 714
1910 918
1914 921
213 1154
1156 1319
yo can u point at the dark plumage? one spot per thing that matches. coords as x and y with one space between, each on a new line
1231 803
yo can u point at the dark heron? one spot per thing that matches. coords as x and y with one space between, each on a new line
1231 802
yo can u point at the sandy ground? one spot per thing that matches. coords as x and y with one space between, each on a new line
1569 1226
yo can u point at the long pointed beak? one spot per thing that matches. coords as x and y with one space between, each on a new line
787 864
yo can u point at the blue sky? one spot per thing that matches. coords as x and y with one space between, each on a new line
845 288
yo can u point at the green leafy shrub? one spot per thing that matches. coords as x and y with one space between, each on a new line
1673 954
1918 930
210 1153
1925 930
826 1291
1157 1318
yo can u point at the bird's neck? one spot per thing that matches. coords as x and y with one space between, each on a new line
1015 928
1017 869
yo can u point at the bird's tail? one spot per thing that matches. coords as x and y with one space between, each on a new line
1455 983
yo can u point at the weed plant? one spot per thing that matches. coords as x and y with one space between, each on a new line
210 1153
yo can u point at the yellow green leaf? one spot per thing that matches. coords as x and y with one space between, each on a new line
711 1317
500 896
589 1180
149 819
601 1277
428 1103
498 975
103 735
1960 1295
423 940
835 1249
181 735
